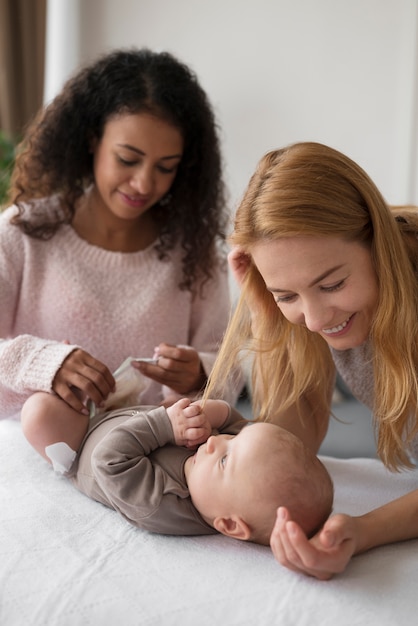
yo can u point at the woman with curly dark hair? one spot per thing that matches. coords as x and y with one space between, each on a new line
111 247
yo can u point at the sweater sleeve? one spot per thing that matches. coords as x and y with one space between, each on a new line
234 423
27 363
30 363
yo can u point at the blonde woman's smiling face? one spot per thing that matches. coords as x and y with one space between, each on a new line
327 284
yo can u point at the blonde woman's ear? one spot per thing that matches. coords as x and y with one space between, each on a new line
234 527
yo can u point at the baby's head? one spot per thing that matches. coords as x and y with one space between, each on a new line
238 482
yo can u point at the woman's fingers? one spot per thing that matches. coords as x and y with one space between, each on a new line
322 556
81 377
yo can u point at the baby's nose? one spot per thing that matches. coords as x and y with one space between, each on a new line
211 444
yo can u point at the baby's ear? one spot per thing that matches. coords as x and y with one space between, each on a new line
234 527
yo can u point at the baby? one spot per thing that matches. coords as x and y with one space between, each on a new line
147 464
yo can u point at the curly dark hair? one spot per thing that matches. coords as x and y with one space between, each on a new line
54 157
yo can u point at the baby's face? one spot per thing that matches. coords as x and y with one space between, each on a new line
219 473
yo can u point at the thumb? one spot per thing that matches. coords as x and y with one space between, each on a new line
327 538
335 531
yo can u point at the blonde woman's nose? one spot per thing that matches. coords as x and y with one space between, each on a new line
314 317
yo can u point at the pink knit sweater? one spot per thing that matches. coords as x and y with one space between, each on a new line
111 304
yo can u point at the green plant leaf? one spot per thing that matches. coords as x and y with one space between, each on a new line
7 157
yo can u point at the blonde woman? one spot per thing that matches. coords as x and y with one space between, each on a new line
328 274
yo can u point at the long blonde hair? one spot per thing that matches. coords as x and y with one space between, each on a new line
309 189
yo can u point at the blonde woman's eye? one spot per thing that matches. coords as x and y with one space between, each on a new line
284 299
335 287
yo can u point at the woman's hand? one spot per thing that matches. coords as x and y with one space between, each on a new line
190 425
322 556
178 367
258 299
82 377
239 262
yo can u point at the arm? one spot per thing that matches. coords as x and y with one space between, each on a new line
131 482
143 479
29 362
217 412
343 536
183 368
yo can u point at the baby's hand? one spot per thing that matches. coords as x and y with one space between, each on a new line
190 425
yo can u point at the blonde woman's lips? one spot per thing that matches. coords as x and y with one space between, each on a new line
336 329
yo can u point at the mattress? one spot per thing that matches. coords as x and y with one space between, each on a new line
67 561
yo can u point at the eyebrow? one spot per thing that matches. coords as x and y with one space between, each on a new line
138 151
316 280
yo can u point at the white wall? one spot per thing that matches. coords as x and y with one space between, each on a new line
343 72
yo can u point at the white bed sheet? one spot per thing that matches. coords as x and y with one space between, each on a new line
69 561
